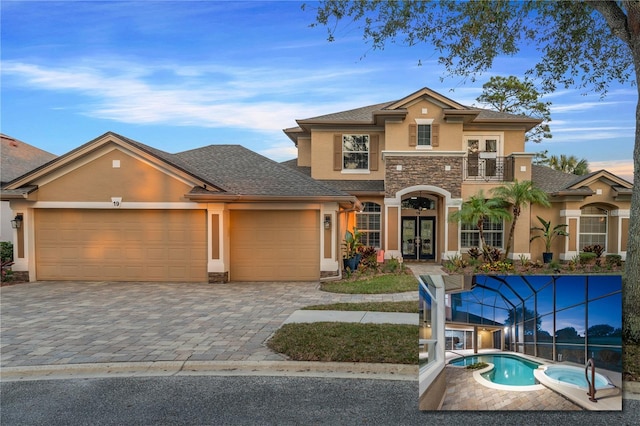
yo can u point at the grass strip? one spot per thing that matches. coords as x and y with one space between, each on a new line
411 307
377 284
347 342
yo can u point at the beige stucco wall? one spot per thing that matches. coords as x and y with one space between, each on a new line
98 180
304 152
449 135
322 156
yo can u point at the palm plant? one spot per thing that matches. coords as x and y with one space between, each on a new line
476 209
569 164
519 195
549 234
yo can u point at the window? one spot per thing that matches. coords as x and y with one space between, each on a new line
355 152
424 134
482 161
593 226
493 234
368 223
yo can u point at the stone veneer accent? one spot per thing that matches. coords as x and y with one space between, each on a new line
425 170
218 277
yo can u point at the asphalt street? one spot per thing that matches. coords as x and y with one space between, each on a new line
251 400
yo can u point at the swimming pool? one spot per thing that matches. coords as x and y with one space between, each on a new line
509 370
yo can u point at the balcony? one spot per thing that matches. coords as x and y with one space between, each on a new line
487 168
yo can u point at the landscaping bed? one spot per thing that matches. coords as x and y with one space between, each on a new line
373 284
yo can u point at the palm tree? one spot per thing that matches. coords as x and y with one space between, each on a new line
569 164
519 195
476 209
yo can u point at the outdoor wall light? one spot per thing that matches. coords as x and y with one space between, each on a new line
16 222
327 221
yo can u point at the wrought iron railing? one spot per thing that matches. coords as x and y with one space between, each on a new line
483 168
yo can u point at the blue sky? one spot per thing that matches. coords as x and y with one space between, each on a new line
178 75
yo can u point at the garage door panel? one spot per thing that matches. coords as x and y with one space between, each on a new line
123 245
275 245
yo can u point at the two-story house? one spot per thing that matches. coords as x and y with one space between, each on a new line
412 162
116 209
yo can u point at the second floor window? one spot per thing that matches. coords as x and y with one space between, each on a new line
355 152
424 134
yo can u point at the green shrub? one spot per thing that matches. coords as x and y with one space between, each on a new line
6 251
587 257
477 366
392 265
613 260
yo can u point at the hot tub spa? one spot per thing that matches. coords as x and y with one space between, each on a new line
574 376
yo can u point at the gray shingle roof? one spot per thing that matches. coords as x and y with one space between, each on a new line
238 170
18 158
362 114
551 180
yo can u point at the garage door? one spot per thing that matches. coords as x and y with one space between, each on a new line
275 246
121 245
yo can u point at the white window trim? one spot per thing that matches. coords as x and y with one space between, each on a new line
483 136
423 122
357 171
606 230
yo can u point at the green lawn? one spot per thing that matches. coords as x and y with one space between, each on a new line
348 342
375 284
406 307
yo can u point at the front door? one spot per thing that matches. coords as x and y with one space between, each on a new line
418 238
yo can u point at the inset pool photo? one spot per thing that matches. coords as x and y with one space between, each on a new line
520 342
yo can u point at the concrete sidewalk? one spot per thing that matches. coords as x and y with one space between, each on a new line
363 317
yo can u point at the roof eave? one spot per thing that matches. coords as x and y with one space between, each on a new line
344 201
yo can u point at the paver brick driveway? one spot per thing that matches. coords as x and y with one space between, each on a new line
45 323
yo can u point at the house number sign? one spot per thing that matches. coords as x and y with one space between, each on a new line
116 202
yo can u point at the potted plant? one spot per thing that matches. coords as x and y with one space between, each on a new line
350 245
549 235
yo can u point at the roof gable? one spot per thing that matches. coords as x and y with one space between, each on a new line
559 183
429 95
228 171
165 161
602 175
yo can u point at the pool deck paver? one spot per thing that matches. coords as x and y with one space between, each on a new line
464 393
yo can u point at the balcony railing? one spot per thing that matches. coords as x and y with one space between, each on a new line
477 168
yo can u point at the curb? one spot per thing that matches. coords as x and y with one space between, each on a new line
631 390
353 370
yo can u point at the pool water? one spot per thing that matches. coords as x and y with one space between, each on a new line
508 370
575 376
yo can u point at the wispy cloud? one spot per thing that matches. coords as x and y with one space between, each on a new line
622 168
206 96
580 106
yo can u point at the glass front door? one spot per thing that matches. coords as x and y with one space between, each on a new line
418 238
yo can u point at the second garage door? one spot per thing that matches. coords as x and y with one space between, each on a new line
121 245
275 245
